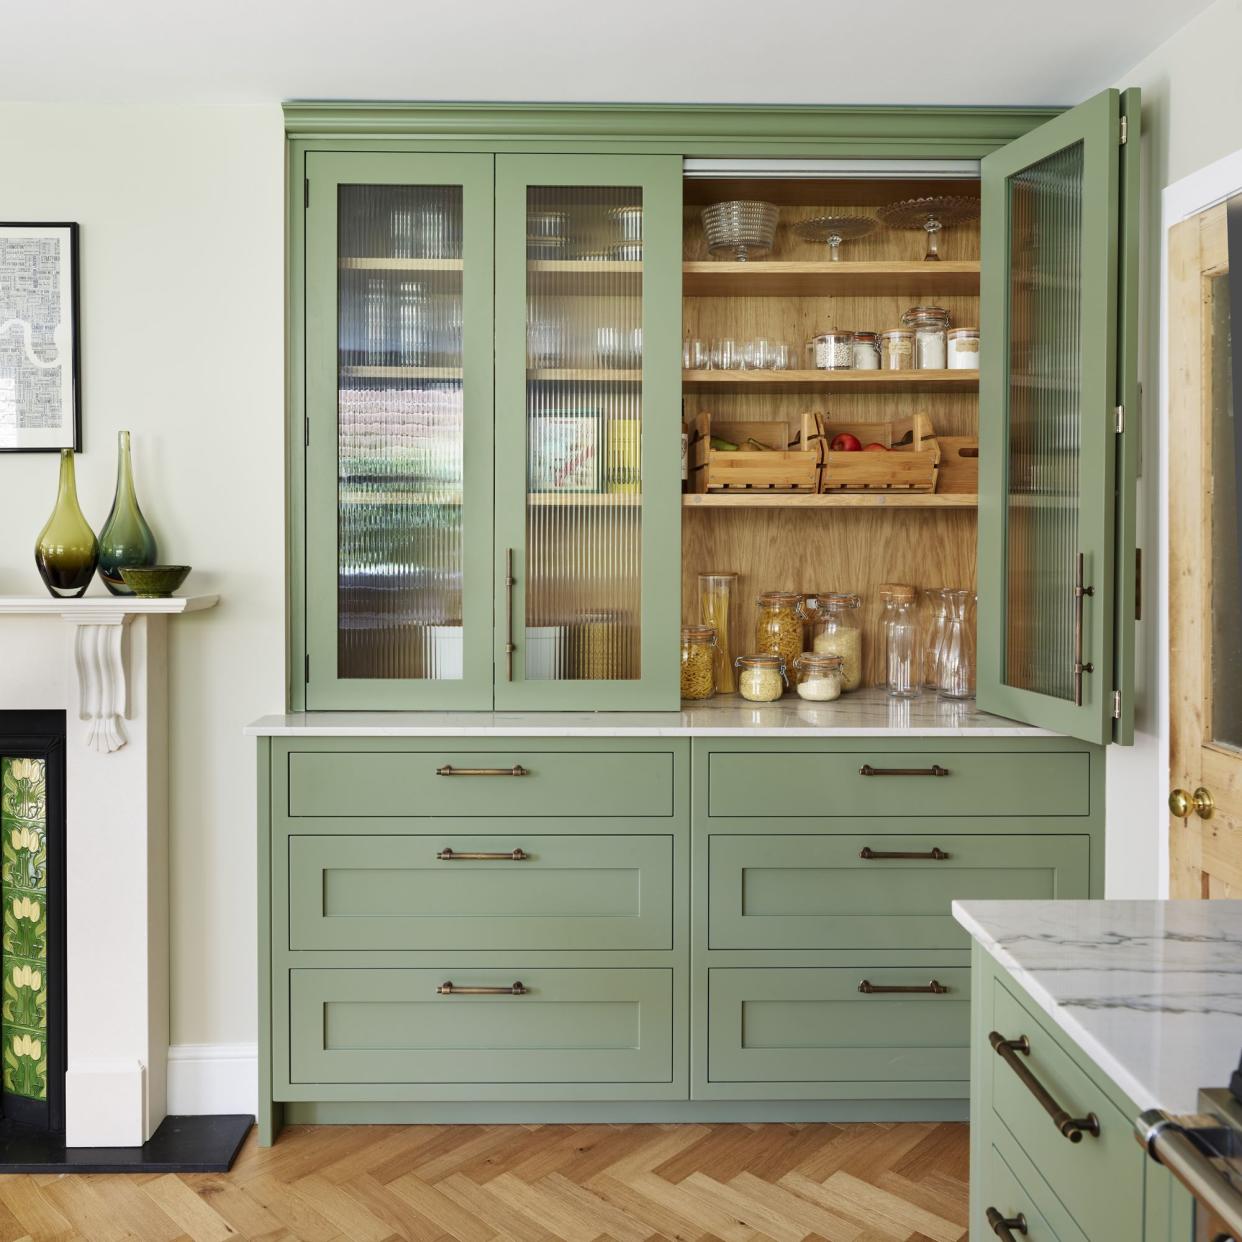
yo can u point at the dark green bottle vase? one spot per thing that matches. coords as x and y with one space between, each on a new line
126 539
67 551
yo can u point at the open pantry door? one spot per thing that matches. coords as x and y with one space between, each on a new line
1058 423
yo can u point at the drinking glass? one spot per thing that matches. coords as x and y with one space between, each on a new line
955 668
780 356
695 355
726 356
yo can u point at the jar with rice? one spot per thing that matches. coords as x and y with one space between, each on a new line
838 632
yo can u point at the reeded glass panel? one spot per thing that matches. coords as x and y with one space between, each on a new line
584 408
400 432
1226 569
1042 542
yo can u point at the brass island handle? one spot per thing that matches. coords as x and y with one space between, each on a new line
934 770
1072 1128
449 770
1004 1227
935 854
935 987
450 855
449 988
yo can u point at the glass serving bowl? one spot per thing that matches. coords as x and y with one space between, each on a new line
740 229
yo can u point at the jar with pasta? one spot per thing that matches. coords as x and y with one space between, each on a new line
778 624
698 656
838 632
715 603
817 678
761 677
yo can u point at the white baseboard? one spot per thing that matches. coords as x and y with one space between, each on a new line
213 1078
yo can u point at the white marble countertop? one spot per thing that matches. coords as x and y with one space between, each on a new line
865 713
1151 991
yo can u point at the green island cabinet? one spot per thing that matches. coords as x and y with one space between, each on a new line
626 914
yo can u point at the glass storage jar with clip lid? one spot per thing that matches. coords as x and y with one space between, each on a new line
818 677
698 658
838 632
761 677
930 324
778 624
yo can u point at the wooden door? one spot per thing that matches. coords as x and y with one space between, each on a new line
1205 573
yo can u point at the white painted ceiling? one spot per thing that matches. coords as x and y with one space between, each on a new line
745 51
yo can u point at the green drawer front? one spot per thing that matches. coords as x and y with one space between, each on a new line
812 1024
817 892
1014 1188
831 784
1077 1171
390 892
360 784
391 1026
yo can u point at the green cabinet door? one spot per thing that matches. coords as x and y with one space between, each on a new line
1056 476
588 389
396 588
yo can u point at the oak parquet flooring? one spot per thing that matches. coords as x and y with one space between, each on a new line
490 1183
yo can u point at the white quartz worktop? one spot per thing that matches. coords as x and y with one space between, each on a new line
1151 991
865 713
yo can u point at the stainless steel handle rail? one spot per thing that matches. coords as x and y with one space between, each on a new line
449 988
935 987
449 770
1072 1128
935 854
1169 1144
451 855
1003 1226
510 583
934 770
1080 593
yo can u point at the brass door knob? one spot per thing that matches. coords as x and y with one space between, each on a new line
1200 802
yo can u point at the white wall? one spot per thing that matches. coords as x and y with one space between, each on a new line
182 344
1192 116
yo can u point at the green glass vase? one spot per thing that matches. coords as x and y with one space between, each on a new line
126 539
67 551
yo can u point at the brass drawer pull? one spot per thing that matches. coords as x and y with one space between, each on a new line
1072 1128
448 988
449 770
935 854
451 855
934 770
935 987
1002 1227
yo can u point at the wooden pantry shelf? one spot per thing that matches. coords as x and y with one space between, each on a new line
418 373
756 499
764 279
831 381
384 264
539 500
585 277
584 375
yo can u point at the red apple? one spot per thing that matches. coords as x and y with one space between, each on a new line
845 443
875 447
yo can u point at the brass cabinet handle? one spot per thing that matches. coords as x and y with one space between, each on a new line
1200 802
510 583
935 987
1071 1128
449 770
934 770
1080 593
935 854
450 855
1003 1227
449 988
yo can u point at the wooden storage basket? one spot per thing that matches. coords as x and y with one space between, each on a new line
911 464
789 462
959 465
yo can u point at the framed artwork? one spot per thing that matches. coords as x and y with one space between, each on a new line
40 394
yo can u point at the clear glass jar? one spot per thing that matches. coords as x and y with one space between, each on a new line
955 666
715 601
903 650
866 351
930 324
778 624
897 349
761 677
818 677
838 632
932 609
832 351
963 349
698 659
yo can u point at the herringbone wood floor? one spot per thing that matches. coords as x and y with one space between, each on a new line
687 1183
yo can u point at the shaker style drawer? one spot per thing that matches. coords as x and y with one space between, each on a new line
868 784
875 891
1108 1158
1015 1195
525 892
555 1026
518 783
841 1024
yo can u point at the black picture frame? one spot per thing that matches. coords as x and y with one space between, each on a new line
71 421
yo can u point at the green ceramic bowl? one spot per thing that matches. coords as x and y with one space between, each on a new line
154 581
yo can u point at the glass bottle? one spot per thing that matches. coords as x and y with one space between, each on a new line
698 658
66 551
932 607
715 598
126 539
903 653
778 624
955 668
837 632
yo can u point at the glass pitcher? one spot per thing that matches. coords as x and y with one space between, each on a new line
955 667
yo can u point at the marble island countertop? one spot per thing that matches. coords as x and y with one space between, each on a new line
865 713
1151 991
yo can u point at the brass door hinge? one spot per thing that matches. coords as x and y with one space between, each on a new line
308 666
306 190
306 431
1119 418
1138 584
1116 704
1125 130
